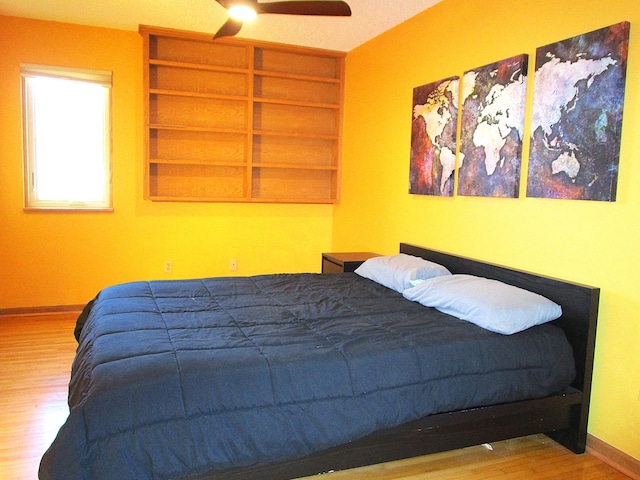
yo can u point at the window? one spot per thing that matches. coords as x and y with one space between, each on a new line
67 138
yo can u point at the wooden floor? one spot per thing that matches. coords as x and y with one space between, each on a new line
34 373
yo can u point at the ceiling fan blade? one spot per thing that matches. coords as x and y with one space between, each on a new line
224 3
229 29
331 8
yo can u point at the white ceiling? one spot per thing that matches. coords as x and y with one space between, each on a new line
369 18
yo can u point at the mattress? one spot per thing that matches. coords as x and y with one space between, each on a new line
178 378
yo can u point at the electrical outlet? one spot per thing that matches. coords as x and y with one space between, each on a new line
233 264
168 266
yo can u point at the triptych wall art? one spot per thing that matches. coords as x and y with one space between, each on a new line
575 133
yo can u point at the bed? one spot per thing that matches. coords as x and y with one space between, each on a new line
282 376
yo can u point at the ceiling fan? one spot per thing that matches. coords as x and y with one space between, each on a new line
241 10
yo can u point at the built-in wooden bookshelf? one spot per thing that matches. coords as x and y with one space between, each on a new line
240 121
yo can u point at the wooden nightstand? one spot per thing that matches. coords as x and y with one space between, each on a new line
344 262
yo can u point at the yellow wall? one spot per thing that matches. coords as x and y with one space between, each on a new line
65 258
589 242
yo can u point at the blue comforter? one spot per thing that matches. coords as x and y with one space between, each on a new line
176 378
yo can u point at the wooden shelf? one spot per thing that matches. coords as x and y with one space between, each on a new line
173 161
182 93
239 121
197 66
292 76
267 133
294 166
295 103
176 127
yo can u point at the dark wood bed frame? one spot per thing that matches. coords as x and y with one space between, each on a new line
563 416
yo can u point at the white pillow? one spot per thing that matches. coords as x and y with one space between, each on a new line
490 304
399 272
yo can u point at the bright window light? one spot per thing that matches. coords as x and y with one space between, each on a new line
67 139
243 13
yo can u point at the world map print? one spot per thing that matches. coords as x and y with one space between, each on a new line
433 137
577 116
494 99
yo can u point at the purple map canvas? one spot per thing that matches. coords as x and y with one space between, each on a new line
433 137
494 99
577 116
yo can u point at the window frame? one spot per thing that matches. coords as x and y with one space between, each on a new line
99 77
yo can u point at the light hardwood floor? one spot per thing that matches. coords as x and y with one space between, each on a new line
35 360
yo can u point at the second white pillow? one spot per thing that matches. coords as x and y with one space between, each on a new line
401 271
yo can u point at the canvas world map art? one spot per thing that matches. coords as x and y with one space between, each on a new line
577 116
433 137
575 129
494 98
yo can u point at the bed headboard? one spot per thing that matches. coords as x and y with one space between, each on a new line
579 302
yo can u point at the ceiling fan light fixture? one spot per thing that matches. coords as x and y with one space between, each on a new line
243 13
240 11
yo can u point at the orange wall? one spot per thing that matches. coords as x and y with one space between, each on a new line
589 242
65 258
